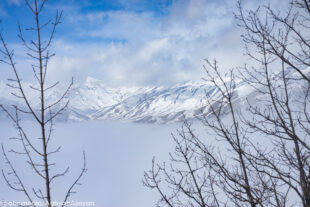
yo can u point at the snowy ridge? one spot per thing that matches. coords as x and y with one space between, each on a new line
95 101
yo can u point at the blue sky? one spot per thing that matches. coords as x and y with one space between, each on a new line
132 42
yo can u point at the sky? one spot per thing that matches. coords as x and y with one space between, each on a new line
131 42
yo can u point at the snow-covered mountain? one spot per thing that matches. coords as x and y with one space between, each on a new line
93 100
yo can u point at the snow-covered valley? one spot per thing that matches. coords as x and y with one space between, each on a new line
117 154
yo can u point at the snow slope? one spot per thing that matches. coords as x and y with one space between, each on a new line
93 100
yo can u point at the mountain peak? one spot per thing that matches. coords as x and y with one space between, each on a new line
92 80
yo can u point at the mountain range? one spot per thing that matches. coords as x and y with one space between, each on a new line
92 100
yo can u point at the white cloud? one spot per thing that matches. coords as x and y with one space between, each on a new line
157 49
123 25
15 2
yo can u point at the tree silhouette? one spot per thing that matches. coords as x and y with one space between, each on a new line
44 116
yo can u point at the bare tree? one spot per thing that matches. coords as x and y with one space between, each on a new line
252 173
37 154
188 181
225 179
281 41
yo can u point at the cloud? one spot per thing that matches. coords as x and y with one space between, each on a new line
14 2
123 25
154 49
126 47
